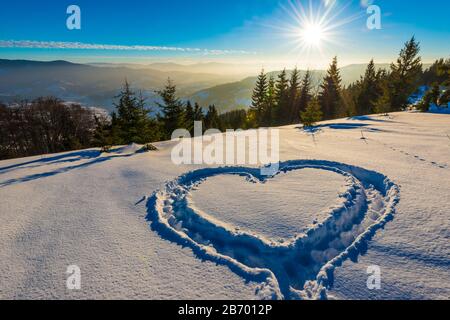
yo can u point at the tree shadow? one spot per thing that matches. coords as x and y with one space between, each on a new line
60 170
335 126
370 118
61 158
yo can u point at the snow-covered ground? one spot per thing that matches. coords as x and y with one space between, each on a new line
341 204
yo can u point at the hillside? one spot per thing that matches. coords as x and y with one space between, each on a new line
353 202
91 85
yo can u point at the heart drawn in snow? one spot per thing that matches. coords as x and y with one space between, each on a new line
301 267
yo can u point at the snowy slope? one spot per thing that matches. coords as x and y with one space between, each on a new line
97 211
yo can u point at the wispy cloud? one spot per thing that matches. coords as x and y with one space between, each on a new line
90 46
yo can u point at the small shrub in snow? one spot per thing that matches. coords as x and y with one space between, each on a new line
105 149
148 147
312 114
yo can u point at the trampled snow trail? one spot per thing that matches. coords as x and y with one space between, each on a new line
301 268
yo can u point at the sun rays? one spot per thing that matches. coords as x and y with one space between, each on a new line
315 27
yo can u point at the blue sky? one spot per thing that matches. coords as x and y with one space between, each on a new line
251 31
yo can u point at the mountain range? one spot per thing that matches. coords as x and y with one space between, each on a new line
93 85
96 85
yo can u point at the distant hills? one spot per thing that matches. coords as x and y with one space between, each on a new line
218 68
227 86
92 85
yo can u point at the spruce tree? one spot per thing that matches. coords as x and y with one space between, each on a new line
312 114
102 135
259 98
281 96
198 113
123 116
330 94
383 103
147 128
292 113
131 123
305 92
444 99
438 72
435 94
369 92
189 117
212 120
444 72
173 116
405 74
270 103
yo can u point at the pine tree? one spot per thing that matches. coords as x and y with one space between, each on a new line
405 74
281 96
173 116
292 113
122 118
259 98
235 119
431 97
444 72
147 128
330 95
312 114
189 117
383 104
198 113
444 99
305 92
212 120
370 91
131 123
349 97
438 72
435 93
270 103
102 135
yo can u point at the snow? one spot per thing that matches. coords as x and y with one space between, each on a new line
310 191
387 193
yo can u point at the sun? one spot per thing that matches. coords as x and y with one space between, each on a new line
312 34
316 29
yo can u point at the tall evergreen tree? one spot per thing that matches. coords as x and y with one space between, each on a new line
131 123
173 116
259 98
270 103
293 111
383 104
349 97
281 96
312 114
235 119
370 91
330 94
189 117
405 74
198 113
444 99
305 92
212 120
438 72
444 73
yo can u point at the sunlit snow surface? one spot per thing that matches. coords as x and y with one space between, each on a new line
279 209
92 210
